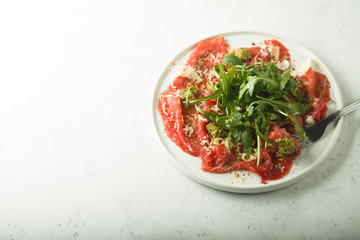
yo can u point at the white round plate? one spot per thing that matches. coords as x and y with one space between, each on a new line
244 181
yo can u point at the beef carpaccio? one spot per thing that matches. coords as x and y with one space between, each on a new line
237 108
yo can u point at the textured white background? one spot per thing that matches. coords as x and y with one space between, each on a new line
79 156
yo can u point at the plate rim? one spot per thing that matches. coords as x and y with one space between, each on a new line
258 188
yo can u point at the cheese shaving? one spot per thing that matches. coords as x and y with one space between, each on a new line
190 73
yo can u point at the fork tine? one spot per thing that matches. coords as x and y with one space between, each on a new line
304 144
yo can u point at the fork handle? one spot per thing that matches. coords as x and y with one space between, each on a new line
345 110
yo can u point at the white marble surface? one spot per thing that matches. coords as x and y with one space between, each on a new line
79 156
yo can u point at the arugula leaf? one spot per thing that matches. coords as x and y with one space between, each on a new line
216 94
225 81
300 131
265 122
188 92
284 79
236 133
248 86
258 132
220 120
247 140
267 76
289 107
231 59
271 83
244 135
291 87
250 110
227 142
225 121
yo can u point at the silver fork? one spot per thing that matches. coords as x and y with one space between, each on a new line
315 132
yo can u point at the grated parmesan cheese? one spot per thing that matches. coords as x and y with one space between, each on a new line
204 142
216 141
202 118
188 130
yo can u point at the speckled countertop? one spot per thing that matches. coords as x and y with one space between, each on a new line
80 158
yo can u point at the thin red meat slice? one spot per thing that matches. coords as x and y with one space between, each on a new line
284 52
206 51
281 167
169 106
289 125
257 56
219 160
318 85
319 88
318 110
173 112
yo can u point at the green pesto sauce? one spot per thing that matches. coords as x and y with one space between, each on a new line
286 146
215 131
